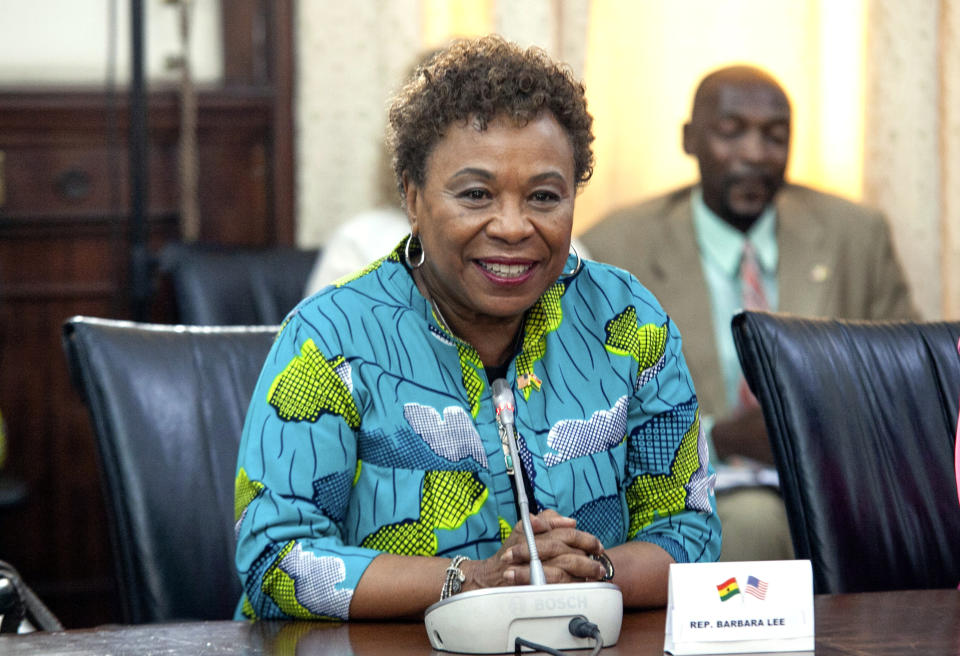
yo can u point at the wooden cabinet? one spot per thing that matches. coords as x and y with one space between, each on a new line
64 250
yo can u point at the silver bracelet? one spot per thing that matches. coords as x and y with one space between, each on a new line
455 578
604 560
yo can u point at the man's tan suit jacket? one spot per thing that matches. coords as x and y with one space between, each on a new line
836 259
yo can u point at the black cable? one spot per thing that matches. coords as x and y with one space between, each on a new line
581 627
20 602
520 642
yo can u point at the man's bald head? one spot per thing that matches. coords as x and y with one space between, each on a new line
739 131
740 76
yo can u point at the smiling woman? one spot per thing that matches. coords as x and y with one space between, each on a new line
371 478
494 220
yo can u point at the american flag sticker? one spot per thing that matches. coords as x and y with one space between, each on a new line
756 587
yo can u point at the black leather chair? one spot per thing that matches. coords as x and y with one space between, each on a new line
862 418
167 405
224 286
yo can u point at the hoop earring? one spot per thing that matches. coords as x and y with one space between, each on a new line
423 255
576 269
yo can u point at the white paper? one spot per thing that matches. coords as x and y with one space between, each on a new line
740 607
732 477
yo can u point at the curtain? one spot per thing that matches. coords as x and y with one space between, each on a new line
950 157
349 55
912 155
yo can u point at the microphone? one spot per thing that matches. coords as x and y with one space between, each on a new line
498 620
503 402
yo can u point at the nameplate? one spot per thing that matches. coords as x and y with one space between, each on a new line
740 607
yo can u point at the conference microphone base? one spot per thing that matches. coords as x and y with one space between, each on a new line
488 621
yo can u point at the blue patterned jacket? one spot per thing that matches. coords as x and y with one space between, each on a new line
372 429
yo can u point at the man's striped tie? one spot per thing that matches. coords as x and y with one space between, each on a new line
754 298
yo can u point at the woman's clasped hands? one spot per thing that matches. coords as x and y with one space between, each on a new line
568 555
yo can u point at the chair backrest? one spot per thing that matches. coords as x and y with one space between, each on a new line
167 405
226 286
861 418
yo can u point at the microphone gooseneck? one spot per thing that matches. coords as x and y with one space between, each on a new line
504 618
504 403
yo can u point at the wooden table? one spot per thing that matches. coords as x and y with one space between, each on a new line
923 622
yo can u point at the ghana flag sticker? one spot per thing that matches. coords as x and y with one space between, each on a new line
728 589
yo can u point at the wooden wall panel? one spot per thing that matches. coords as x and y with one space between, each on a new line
64 251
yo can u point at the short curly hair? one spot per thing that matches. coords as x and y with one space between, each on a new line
480 79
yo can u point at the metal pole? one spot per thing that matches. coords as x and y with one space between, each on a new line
189 206
139 255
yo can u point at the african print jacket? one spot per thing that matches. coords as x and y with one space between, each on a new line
372 429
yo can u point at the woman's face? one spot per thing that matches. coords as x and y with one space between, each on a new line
494 216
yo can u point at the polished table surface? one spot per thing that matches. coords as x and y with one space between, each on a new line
910 622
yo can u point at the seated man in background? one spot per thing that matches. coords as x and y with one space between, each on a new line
760 244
